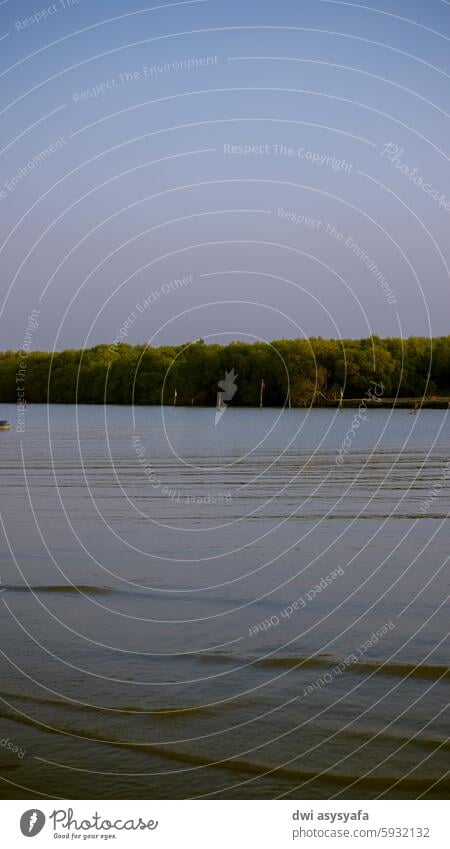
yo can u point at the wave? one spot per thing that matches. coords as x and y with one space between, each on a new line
432 672
439 784
59 588
161 712
400 670
321 660
422 742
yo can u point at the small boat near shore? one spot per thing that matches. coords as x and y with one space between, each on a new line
5 425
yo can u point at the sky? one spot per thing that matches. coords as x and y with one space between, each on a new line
223 170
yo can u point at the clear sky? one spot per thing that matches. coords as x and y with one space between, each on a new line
266 170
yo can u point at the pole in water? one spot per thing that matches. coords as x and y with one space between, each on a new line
175 398
261 392
341 401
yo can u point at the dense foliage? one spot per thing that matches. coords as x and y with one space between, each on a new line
317 368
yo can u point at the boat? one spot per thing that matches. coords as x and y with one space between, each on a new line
5 425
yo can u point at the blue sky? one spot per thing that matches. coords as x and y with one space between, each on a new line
243 146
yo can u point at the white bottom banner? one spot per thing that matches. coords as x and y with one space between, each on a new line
165 824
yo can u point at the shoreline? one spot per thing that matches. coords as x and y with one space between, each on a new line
346 403
391 403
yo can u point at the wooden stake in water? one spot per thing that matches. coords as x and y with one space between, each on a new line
341 401
175 398
261 392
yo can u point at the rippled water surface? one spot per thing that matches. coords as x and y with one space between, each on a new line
249 610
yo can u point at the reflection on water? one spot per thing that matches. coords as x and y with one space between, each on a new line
224 611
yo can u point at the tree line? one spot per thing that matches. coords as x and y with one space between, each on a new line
312 371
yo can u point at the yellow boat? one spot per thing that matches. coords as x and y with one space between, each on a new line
4 425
